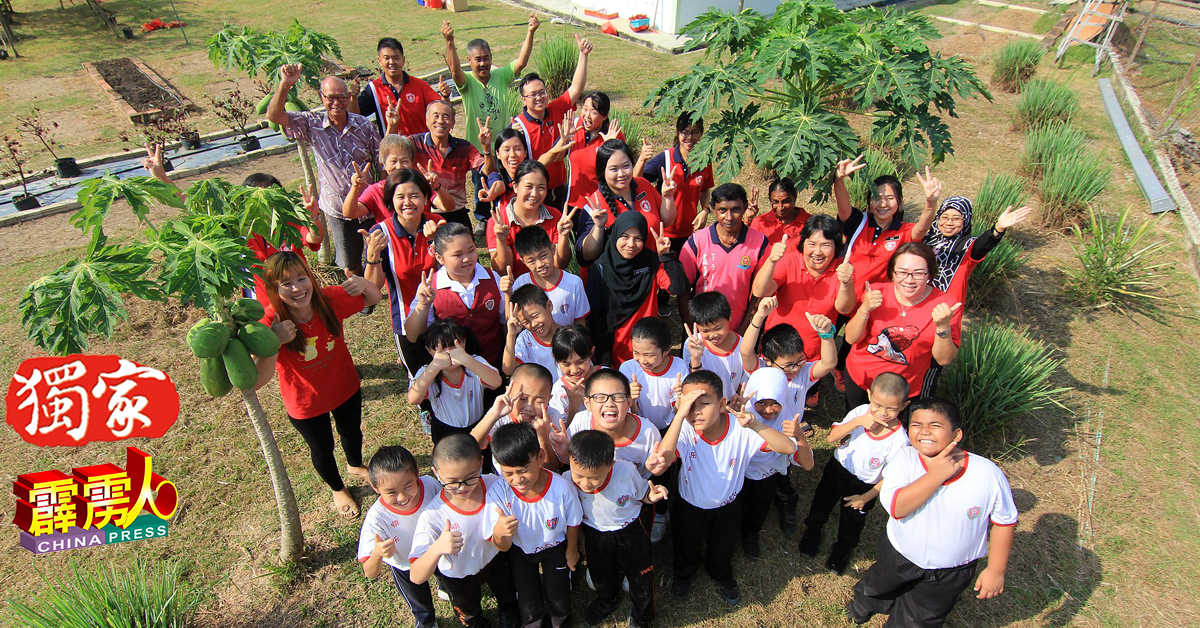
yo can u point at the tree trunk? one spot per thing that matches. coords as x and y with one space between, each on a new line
291 542
310 180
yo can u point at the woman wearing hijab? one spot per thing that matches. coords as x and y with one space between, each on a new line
957 251
623 284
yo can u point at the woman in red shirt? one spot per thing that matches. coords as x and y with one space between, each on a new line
785 218
526 209
623 284
902 327
692 189
316 374
619 191
595 128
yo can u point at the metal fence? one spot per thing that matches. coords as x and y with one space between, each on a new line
1160 41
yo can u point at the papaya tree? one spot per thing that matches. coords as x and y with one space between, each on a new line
198 259
786 91
259 54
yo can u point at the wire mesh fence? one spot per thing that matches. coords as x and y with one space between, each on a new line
1160 41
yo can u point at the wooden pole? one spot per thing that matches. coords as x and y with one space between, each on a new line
1187 79
1142 35
10 38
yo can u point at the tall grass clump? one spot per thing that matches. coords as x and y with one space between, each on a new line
999 376
1069 183
995 271
861 184
1115 267
631 125
1016 63
556 58
144 596
1044 143
1043 101
998 192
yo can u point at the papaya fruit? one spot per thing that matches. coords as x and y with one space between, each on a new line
259 339
213 377
261 107
246 310
207 339
239 365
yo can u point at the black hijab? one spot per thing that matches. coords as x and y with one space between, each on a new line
621 285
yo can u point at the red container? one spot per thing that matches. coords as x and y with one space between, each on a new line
433 4
639 23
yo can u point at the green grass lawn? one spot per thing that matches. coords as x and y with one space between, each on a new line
1129 559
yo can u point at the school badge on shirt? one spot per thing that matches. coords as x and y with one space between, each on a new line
490 304
876 463
973 513
622 500
553 523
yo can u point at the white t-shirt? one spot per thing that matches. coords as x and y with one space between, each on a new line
542 521
728 366
951 529
865 455
617 502
656 403
529 349
797 391
391 523
766 462
476 527
636 450
461 405
713 473
568 298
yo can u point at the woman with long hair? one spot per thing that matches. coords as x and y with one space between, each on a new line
527 208
593 128
618 191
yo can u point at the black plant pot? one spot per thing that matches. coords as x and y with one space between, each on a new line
25 202
127 31
67 168
167 165
191 140
249 143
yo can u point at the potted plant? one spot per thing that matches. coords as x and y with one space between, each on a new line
12 162
235 109
33 125
188 133
158 132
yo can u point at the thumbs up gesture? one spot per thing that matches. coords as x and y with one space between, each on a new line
779 249
942 313
450 542
506 526
635 388
385 548
285 330
872 299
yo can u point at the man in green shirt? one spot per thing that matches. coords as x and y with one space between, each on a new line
483 95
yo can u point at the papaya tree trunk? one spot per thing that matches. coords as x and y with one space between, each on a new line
310 180
291 542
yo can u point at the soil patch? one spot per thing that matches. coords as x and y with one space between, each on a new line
135 87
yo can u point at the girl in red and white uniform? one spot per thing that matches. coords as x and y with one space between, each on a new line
527 209
593 128
692 189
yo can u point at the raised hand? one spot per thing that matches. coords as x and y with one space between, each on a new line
499 227
485 132
425 289
656 463
845 273
566 224
391 116
458 354
635 387
779 249
745 419
847 167
695 344
443 87
942 314
945 465
354 87
738 402
375 241
450 542
290 73
428 228
686 401
385 547
574 393
791 427
820 323
656 493
533 23
677 387
285 330
505 527
153 163
441 361
668 183
447 31
358 180
766 304
1009 217
355 285
614 129
513 323
585 46
503 403
752 208
872 299
599 215
661 242
647 152
559 441
931 186
506 281
431 176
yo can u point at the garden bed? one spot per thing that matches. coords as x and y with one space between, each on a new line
138 91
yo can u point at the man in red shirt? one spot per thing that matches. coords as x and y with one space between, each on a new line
540 117
395 99
451 158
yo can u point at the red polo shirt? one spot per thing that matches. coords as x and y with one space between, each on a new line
541 135
583 166
452 167
868 248
769 224
689 186
413 95
800 292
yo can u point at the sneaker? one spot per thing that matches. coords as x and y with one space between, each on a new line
809 543
660 526
366 311
597 611
787 515
589 580
750 546
442 595
729 593
839 380
664 304
855 615
839 558
680 587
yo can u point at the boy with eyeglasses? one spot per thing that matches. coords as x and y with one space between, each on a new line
607 400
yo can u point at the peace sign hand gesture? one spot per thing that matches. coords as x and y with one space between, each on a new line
847 167
485 132
661 242
499 227
425 289
668 183
358 180
392 117
695 343
932 187
559 441
431 176
153 163
752 208
566 224
311 203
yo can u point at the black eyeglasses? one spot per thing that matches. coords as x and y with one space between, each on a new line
467 483
337 97
604 397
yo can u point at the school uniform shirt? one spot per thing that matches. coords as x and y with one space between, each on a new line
457 404
713 472
567 297
769 224
899 340
657 401
864 454
541 135
453 166
372 198
711 266
582 158
617 503
689 187
390 522
530 349
951 529
413 95
727 365
323 376
622 343
507 195
868 247
766 462
476 528
634 450
263 249
542 520
477 305
646 201
800 292
547 221
405 258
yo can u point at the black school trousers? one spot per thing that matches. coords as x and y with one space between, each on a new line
836 483
466 594
317 432
626 552
713 531
912 596
417 596
757 496
543 583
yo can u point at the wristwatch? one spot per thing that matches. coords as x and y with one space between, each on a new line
942 334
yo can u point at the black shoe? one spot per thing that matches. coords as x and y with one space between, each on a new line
632 623
664 304
809 543
729 592
787 515
366 311
855 617
680 588
839 558
597 611
750 545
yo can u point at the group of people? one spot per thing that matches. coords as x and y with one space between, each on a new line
566 432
